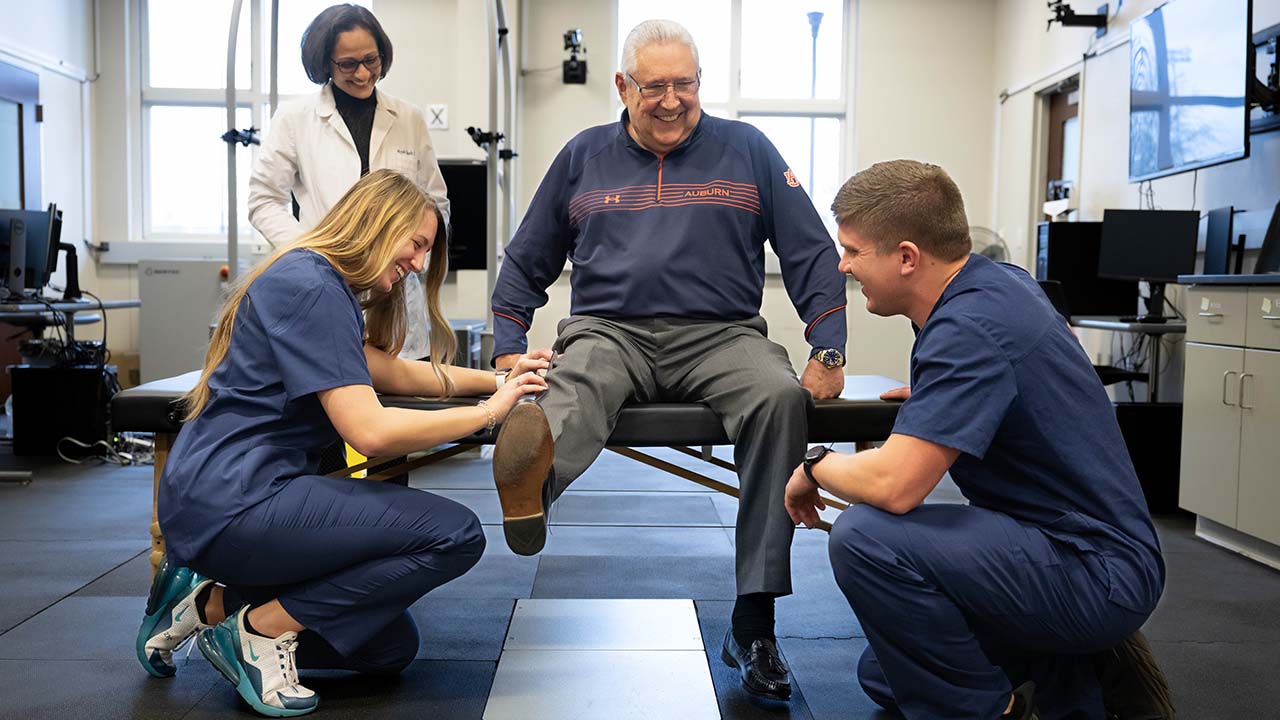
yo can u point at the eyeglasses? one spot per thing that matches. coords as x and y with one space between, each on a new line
348 66
682 88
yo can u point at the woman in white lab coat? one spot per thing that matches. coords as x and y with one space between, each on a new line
321 144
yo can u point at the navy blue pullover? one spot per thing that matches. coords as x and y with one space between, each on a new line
680 235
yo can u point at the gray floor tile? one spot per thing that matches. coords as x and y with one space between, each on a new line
1177 535
635 508
37 574
467 471
637 541
612 471
100 689
735 703
131 579
1217 597
426 689
1220 679
648 576
483 502
66 627
68 502
461 628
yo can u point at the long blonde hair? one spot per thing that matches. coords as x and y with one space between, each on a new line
359 237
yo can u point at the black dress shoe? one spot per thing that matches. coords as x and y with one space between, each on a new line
762 671
1024 703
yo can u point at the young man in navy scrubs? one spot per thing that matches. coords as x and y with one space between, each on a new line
1015 604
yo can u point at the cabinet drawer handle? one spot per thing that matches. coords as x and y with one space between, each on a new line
1271 317
1226 375
1209 314
1241 398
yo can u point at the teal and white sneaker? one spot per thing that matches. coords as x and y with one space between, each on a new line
171 618
261 668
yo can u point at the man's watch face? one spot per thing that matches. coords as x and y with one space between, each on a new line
830 357
815 454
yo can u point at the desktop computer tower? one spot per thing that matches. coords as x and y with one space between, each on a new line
1153 434
50 403
1068 253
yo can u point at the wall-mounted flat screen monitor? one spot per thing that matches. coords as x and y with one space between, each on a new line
1189 74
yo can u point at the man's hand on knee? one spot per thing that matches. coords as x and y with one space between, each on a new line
822 382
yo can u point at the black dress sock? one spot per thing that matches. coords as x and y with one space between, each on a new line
753 619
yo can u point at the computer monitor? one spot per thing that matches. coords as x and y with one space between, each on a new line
468 218
1269 255
26 267
1152 245
1217 241
1067 253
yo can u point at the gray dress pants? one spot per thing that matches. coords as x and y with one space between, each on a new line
732 367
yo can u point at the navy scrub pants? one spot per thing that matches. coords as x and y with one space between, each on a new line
346 558
961 604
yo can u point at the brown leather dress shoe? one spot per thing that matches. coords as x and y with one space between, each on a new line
522 458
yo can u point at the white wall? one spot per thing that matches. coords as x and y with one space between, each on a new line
923 71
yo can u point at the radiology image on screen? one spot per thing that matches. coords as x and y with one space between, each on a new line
1188 73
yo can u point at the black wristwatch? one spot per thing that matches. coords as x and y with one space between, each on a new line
812 457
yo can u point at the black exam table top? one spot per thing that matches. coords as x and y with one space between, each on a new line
857 415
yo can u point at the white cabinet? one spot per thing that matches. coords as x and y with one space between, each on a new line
1230 471
1211 432
1259 504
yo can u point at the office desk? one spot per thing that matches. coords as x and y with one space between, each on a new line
1104 322
66 308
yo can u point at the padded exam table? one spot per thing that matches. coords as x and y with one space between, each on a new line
857 416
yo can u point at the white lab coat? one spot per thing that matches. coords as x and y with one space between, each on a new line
310 153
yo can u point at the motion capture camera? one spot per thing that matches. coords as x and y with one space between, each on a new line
574 71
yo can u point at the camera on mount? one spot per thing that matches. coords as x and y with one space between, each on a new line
574 71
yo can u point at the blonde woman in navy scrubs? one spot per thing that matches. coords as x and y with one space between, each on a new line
279 566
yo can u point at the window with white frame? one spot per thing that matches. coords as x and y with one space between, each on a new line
184 71
780 65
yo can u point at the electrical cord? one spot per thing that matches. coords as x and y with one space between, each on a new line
105 452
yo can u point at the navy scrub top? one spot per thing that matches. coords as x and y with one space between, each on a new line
299 330
998 375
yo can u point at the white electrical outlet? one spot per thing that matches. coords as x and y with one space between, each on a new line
438 117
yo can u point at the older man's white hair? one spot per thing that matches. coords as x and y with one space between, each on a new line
651 32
